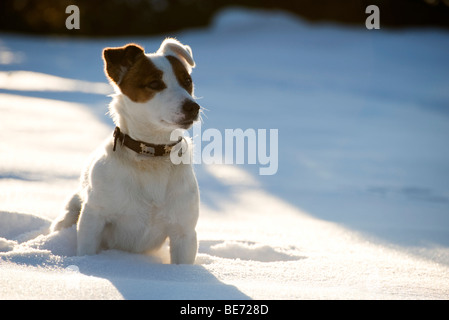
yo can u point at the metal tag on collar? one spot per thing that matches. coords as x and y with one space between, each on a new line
144 149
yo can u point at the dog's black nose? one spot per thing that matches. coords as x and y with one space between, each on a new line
190 109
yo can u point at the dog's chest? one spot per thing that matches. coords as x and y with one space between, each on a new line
144 221
150 184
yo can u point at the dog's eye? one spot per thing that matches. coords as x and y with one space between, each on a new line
188 81
155 85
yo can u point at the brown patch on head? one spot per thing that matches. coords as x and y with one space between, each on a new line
181 74
133 72
142 81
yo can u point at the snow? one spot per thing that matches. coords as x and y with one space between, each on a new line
359 206
35 81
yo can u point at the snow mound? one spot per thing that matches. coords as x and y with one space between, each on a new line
246 250
6 245
20 226
245 20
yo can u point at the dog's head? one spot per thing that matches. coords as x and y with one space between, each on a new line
158 85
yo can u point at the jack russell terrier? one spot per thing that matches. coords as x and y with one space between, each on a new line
131 196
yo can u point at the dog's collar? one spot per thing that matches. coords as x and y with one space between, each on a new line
140 147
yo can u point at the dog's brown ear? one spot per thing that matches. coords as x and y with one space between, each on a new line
117 61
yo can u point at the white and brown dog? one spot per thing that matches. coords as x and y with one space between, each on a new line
131 195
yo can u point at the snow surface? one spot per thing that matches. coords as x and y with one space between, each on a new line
359 208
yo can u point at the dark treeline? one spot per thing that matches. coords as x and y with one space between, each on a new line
147 17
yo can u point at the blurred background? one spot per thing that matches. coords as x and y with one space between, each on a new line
151 17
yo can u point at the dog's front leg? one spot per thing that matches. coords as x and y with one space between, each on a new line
89 230
183 248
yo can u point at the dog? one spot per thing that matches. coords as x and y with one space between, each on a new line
131 196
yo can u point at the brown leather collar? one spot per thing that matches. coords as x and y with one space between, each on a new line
140 147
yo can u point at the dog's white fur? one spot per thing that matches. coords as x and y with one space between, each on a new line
133 202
